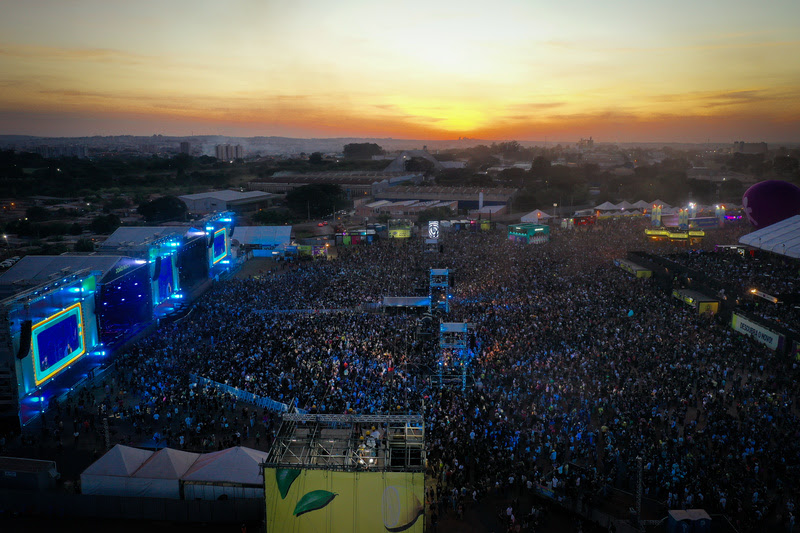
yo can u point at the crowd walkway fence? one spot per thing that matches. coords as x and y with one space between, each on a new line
240 395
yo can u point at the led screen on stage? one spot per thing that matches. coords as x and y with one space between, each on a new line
220 245
56 342
166 278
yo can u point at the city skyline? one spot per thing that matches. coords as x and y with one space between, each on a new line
620 71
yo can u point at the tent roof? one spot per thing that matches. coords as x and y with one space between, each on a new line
625 205
166 464
535 215
118 461
141 236
233 465
606 206
641 204
781 238
274 235
227 195
662 203
36 269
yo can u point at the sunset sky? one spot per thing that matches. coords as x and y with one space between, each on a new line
623 71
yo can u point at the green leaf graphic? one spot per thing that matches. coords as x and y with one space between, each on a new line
316 499
285 477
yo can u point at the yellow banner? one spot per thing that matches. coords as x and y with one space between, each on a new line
316 501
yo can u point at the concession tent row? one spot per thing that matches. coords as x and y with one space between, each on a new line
167 473
233 473
110 474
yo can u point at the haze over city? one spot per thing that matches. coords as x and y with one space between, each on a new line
530 70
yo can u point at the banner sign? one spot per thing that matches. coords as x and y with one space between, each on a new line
763 335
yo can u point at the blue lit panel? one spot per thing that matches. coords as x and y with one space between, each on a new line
57 342
220 245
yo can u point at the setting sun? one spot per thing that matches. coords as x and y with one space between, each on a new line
511 69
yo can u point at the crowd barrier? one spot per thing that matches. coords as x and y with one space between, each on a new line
307 311
243 396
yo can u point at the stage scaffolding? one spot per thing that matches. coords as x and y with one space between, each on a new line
440 289
349 443
454 353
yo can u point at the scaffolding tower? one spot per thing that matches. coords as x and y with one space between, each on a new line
440 289
454 353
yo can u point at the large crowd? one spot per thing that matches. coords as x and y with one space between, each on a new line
751 270
578 371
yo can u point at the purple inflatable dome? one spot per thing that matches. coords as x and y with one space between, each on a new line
771 201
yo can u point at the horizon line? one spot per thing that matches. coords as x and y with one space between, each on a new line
409 139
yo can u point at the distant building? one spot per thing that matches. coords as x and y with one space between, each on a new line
53 152
467 197
355 184
453 164
604 160
749 148
239 202
488 211
521 165
186 147
586 143
399 163
228 152
713 175
406 207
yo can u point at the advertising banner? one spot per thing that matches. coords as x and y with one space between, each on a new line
763 335
400 233
323 500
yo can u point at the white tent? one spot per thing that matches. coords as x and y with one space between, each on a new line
662 203
110 474
781 238
625 205
232 473
159 476
535 216
606 206
641 204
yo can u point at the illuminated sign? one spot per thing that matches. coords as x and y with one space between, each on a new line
764 295
433 229
57 342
